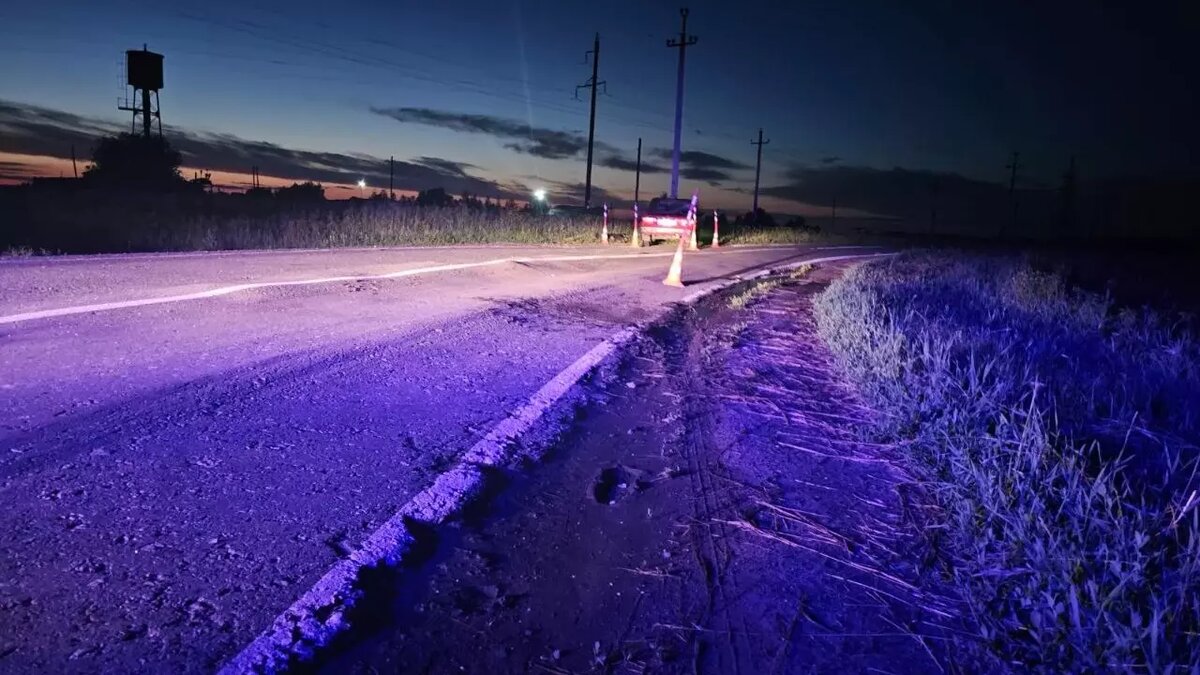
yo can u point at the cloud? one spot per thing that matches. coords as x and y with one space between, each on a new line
701 160
710 176
16 168
702 166
897 192
444 165
623 164
832 159
521 137
566 192
34 130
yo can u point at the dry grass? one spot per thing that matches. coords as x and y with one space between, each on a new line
1058 435
757 290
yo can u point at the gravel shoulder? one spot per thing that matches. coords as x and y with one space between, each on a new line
713 508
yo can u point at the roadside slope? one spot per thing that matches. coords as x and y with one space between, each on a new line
713 510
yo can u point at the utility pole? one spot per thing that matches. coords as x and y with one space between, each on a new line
75 166
757 170
593 83
637 176
1012 187
391 178
682 44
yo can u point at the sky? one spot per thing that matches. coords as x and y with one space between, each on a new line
480 95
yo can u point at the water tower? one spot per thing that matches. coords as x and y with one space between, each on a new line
144 73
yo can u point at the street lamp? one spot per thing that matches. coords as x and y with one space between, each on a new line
539 205
362 186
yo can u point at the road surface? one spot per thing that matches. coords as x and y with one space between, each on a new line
189 441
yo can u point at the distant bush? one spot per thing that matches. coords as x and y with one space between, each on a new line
1059 437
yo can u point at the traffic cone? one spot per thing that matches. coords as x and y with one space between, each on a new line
716 230
676 271
637 231
604 229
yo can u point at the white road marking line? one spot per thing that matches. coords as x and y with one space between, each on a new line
237 288
319 613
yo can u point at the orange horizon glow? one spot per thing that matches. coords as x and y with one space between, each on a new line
45 166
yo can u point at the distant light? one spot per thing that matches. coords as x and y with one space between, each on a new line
362 184
539 194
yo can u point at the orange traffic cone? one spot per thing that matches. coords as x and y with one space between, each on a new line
716 230
693 243
604 229
676 271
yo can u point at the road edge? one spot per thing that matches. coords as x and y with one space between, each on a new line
320 613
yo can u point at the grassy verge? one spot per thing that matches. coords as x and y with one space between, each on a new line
102 222
1058 435
759 236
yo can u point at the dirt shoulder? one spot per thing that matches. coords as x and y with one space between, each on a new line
712 509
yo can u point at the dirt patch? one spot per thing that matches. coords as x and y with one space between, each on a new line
713 509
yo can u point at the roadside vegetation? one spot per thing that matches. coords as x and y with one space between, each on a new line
133 198
1057 436
94 221
759 289
747 297
99 221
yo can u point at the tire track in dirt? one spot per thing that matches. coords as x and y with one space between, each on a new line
785 550
689 360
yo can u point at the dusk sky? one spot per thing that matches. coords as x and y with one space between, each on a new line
479 95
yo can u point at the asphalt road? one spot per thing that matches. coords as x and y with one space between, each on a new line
188 441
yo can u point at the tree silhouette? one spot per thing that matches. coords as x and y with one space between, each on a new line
434 197
301 193
138 162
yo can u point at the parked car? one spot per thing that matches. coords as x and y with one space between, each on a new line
666 218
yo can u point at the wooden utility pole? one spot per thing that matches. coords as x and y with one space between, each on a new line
392 178
593 83
757 171
681 44
74 166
